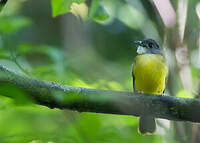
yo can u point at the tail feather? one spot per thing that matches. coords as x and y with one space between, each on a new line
147 125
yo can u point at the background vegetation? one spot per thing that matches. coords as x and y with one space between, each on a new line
90 44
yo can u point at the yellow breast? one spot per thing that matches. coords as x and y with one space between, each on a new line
150 72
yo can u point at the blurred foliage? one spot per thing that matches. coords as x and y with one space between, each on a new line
11 25
92 49
2 4
62 6
97 11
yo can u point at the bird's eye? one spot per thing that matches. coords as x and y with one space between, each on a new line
150 45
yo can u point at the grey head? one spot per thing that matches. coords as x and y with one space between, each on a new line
148 46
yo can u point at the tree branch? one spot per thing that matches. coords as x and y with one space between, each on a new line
54 95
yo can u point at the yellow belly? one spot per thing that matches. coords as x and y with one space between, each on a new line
150 72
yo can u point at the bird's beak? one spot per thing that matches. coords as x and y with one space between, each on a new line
138 43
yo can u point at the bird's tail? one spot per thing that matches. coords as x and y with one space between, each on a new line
147 125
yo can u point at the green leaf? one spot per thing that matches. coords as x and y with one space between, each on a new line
62 6
2 4
4 54
97 11
184 94
19 96
13 24
54 53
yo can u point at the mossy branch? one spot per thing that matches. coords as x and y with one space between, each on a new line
54 95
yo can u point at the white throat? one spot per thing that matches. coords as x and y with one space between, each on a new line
141 50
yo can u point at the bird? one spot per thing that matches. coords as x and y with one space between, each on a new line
149 72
